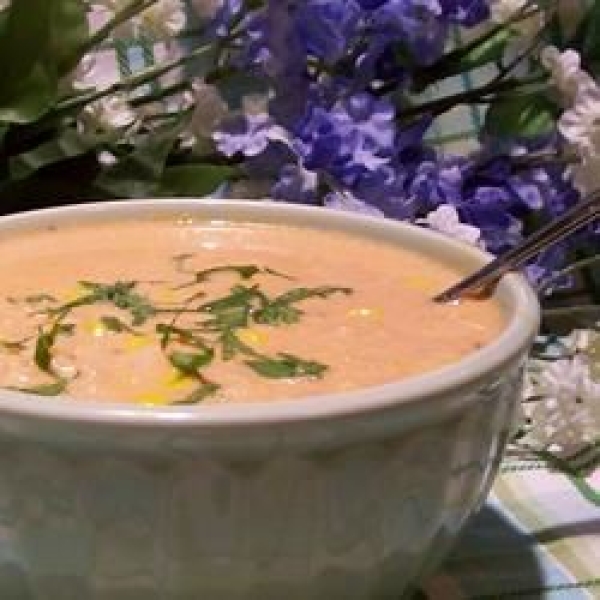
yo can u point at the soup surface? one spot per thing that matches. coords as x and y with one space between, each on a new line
182 312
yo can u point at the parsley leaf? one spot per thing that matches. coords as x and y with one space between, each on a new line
115 325
39 298
286 366
206 389
44 389
122 295
281 310
189 363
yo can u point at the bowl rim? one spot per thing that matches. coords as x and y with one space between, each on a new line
420 389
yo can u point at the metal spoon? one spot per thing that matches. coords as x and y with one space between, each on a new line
482 280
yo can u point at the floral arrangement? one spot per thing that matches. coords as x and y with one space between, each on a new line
333 103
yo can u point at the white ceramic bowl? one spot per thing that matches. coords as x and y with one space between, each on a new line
349 496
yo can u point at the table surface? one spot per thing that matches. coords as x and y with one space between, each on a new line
537 537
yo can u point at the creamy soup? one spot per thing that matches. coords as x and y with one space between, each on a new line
181 312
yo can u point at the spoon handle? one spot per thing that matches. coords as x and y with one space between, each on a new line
578 216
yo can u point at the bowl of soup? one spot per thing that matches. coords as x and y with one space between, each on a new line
238 400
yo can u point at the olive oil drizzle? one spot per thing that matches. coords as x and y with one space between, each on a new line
188 349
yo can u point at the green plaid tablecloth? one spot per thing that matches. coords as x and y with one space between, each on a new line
538 536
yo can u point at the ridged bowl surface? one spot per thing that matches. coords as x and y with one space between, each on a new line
351 496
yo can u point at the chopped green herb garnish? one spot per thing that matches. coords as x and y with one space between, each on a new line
281 310
39 298
45 389
202 392
190 363
180 335
115 325
43 350
211 327
286 366
121 294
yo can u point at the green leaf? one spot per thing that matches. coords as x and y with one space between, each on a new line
189 363
587 39
244 271
43 350
286 366
68 144
26 99
240 297
39 298
69 30
280 310
194 180
488 48
115 325
138 174
521 116
120 294
45 389
27 70
205 390
180 335
231 345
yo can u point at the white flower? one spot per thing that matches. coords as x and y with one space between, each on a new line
106 158
564 406
566 71
94 71
586 176
580 126
445 219
162 20
502 11
107 114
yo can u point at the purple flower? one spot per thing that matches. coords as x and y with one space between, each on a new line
371 4
418 25
247 134
385 189
355 135
466 12
438 183
296 184
228 12
327 27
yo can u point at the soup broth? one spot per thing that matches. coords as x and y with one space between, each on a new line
162 312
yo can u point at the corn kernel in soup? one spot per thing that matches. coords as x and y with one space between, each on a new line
163 312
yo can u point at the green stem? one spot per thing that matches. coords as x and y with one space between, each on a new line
452 63
584 310
131 83
161 94
576 266
130 10
483 95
